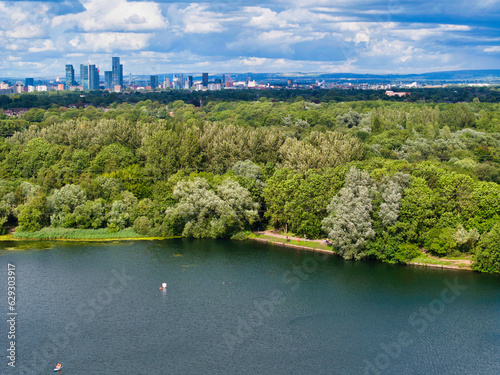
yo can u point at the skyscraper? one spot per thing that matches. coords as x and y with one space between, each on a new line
93 78
70 76
117 71
29 82
204 79
176 83
190 81
154 82
108 80
84 76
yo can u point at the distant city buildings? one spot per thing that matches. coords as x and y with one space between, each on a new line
90 79
400 94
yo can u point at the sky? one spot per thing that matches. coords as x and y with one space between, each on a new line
38 38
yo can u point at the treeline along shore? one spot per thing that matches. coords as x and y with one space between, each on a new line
385 180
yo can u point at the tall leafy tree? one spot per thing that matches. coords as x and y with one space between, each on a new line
202 212
487 255
349 223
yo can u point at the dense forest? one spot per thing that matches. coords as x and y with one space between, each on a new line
56 99
381 179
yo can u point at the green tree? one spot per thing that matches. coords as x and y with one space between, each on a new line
112 158
63 202
349 223
487 255
29 219
298 201
202 212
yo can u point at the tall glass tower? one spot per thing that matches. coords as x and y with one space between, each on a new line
84 76
116 71
70 77
93 78
154 82
108 80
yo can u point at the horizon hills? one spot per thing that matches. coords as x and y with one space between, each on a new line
481 75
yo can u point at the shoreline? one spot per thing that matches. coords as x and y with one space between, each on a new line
310 248
273 240
11 238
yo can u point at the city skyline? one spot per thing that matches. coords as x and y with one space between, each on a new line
157 37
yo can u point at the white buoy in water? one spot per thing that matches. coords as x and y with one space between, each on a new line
164 285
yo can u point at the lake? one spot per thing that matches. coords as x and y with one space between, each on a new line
241 308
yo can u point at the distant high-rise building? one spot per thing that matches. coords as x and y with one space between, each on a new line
117 71
18 88
204 79
130 79
70 76
29 82
84 76
108 80
190 81
93 78
176 83
154 82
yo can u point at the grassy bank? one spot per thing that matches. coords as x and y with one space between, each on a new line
421 260
310 244
78 235
460 262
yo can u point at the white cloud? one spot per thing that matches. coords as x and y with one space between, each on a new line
275 40
386 47
19 23
115 15
265 19
197 20
455 27
268 64
254 61
109 41
25 32
349 35
346 67
43 46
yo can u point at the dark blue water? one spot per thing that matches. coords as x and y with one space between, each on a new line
242 308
